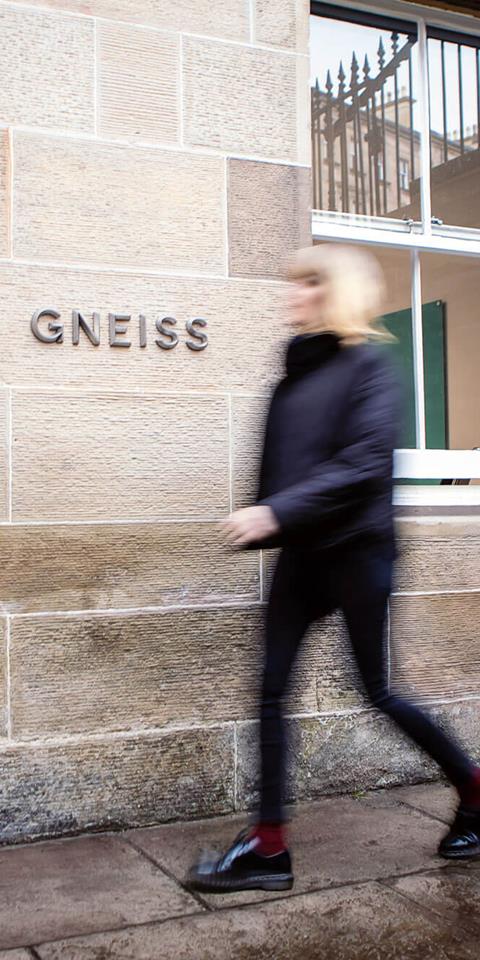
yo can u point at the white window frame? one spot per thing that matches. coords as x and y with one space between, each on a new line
421 237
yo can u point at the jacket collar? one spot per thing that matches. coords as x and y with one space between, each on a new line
306 353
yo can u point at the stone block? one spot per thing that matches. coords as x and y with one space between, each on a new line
283 24
79 886
56 788
245 100
448 561
89 202
435 645
137 83
268 216
219 18
327 755
244 330
4 454
47 69
99 457
107 566
248 423
129 671
5 225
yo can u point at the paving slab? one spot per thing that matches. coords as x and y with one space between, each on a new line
75 886
16 955
437 800
453 893
365 922
333 841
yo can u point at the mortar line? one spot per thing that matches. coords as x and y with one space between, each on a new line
431 816
9 455
10 181
140 271
80 613
261 576
95 78
171 146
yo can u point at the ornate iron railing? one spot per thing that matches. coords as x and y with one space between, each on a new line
365 148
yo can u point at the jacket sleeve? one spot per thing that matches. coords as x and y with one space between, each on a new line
361 467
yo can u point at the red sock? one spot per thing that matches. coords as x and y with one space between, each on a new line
470 791
271 837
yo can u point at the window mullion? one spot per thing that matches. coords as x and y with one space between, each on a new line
418 366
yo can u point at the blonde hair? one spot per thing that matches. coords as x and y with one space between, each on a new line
355 289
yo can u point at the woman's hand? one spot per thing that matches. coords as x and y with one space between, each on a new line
250 525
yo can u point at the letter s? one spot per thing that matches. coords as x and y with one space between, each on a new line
165 332
201 338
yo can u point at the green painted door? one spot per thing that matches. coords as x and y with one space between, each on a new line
400 325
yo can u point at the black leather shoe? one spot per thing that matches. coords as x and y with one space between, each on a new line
463 839
242 868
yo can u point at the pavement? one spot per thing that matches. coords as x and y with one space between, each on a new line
368 886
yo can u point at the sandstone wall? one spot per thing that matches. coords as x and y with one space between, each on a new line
154 161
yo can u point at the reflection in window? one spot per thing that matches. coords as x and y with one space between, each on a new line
365 140
454 74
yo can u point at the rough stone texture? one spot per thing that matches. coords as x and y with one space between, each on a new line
100 456
5 224
243 326
245 100
283 24
353 923
4 454
47 69
137 83
121 671
81 201
439 555
434 643
321 858
108 566
87 884
268 216
57 788
342 754
219 18
248 424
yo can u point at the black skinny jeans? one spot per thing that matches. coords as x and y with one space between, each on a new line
305 588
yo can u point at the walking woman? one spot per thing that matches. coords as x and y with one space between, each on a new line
326 498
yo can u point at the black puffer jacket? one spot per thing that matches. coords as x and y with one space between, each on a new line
328 453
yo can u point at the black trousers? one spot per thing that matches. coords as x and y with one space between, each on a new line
306 587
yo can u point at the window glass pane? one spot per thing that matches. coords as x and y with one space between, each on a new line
365 140
451 295
454 135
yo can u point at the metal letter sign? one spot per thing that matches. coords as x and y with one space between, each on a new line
121 330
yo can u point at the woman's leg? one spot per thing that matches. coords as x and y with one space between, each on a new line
365 581
293 604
